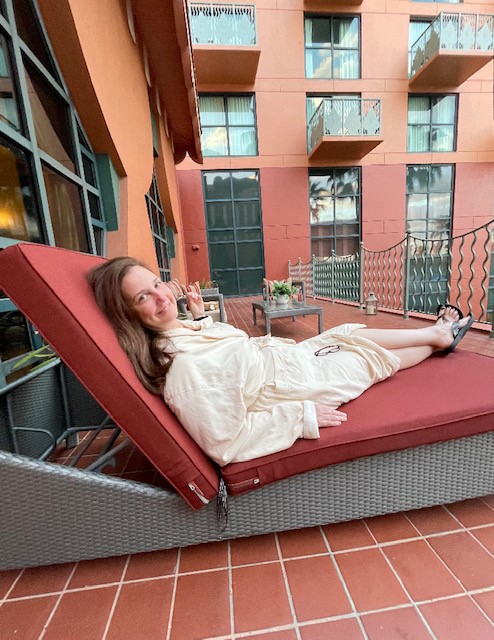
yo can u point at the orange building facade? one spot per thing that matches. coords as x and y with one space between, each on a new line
434 125
128 69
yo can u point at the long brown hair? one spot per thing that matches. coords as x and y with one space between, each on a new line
150 361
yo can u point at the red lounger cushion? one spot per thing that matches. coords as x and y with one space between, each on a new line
49 286
444 398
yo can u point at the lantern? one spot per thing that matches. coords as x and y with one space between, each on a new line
371 305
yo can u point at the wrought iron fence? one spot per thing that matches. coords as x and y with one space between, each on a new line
222 24
417 274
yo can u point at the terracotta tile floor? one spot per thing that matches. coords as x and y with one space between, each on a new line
417 575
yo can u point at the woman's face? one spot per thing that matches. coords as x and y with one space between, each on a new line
150 299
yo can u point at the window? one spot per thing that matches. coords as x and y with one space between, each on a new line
159 229
332 47
9 111
233 220
416 28
429 200
334 205
429 221
49 185
19 213
228 125
431 123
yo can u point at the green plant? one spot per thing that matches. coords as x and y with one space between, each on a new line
208 284
43 355
282 288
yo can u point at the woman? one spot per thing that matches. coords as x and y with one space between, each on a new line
241 398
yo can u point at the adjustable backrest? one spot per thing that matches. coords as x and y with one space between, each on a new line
48 285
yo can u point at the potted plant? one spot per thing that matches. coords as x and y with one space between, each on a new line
208 287
282 291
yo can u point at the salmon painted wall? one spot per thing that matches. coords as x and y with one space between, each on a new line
284 198
280 92
104 71
194 225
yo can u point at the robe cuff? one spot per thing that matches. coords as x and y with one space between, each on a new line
311 429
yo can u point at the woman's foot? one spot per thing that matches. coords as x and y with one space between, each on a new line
450 333
448 313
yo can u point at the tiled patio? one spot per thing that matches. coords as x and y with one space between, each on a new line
416 575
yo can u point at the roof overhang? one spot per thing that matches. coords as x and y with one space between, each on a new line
164 28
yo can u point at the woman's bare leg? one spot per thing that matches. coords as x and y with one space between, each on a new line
438 336
410 356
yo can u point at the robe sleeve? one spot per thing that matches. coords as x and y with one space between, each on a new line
220 423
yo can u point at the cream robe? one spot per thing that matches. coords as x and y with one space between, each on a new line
241 398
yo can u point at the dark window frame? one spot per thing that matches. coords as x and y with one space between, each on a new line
432 97
333 236
159 229
331 46
228 126
233 198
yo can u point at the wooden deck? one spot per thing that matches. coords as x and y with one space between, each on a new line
239 312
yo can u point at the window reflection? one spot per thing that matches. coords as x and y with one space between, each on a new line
66 215
228 125
51 119
429 208
334 205
332 47
14 335
29 30
19 217
8 103
431 123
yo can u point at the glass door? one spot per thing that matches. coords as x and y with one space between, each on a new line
234 230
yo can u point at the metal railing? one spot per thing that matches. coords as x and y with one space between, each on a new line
417 274
453 32
223 24
344 117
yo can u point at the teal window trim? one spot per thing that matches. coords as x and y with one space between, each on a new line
170 242
109 190
6 305
159 229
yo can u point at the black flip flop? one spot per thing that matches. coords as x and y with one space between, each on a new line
448 306
459 333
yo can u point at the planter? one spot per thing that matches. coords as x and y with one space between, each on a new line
282 300
210 292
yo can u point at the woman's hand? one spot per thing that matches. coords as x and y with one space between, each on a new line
195 303
327 417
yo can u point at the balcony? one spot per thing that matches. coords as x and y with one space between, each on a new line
224 42
344 129
451 50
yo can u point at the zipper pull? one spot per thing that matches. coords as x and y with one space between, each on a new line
198 493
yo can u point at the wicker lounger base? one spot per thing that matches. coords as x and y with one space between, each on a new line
52 514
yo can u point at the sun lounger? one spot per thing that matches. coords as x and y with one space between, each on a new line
424 437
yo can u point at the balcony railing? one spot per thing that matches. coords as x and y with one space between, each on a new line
417 274
344 117
223 24
453 32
